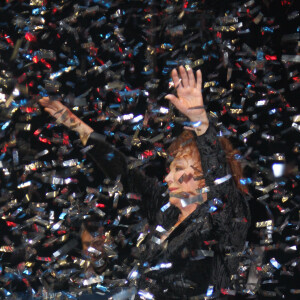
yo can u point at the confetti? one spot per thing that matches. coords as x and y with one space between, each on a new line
109 65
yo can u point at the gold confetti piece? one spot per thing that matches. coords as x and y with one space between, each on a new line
209 83
284 199
197 63
16 49
37 2
23 126
264 224
236 110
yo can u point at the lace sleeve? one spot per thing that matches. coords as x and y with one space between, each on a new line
108 159
235 214
213 162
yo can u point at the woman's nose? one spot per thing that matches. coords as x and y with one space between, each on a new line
168 178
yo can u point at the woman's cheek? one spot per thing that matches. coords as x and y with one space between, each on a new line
177 176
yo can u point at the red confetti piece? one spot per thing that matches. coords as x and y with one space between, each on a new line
11 224
60 232
30 37
271 57
8 39
37 132
43 258
46 63
28 109
45 140
35 59
66 139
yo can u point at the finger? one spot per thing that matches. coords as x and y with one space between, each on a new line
49 111
192 82
44 101
184 76
57 104
199 79
175 78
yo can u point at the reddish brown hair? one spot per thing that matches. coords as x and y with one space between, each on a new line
185 145
234 164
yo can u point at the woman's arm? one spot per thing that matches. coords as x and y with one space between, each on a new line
64 116
109 160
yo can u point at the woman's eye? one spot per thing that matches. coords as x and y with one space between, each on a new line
178 168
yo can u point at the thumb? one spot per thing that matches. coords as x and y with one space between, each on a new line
44 99
189 128
171 97
51 112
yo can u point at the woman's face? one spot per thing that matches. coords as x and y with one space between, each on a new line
182 181
97 257
88 240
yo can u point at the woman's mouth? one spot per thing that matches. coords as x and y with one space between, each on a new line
172 189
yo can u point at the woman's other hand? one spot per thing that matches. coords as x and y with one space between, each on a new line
64 116
189 100
55 108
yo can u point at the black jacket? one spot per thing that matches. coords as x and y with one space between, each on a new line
204 248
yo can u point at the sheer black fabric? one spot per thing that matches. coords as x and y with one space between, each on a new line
203 248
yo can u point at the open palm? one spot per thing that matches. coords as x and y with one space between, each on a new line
189 100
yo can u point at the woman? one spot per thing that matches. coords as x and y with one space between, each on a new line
92 240
198 228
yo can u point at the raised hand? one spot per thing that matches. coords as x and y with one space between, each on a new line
55 108
189 100
64 116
